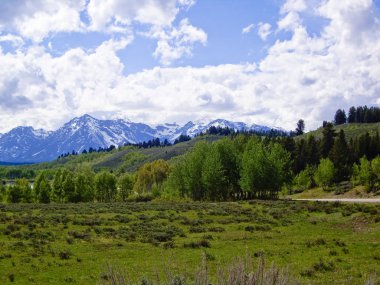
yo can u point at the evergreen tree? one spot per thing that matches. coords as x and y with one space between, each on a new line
312 151
352 115
340 156
300 127
340 117
327 141
301 155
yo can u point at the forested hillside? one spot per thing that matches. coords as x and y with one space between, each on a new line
220 165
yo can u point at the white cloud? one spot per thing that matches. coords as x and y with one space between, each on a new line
44 91
13 39
248 29
118 14
176 42
304 76
264 30
293 6
36 19
290 11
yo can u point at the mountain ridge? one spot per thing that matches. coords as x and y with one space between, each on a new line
28 145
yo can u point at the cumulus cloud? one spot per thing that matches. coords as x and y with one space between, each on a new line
303 76
176 42
115 14
36 19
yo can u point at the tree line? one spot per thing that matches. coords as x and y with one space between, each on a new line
232 168
357 115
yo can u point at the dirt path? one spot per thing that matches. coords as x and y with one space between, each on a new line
348 200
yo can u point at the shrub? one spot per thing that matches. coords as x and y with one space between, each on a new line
64 255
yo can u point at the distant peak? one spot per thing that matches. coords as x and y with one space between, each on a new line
86 117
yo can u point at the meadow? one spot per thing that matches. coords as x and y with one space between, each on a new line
317 243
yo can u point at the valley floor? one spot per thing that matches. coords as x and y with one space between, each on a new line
318 243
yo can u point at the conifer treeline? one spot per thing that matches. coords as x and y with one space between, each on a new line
357 115
334 146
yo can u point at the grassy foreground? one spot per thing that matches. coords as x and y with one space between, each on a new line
318 243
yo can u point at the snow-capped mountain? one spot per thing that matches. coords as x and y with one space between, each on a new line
25 144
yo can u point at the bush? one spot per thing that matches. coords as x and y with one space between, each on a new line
198 244
64 255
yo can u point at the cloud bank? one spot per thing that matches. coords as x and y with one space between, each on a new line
303 75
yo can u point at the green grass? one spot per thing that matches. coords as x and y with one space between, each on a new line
315 193
319 243
350 130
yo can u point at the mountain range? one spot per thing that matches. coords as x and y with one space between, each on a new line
28 145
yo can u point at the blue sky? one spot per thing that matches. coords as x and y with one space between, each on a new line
266 62
225 41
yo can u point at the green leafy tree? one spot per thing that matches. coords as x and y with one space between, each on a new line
192 171
84 185
14 194
125 184
325 173
304 180
264 169
375 165
229 158
58 194
363 173
105 186
2 191
27 194
42 188
253 169
68 186
213 177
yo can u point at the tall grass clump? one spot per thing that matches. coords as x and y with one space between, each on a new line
242 271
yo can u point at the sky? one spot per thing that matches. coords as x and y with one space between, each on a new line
269 62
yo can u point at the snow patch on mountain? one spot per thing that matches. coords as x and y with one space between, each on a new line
25 144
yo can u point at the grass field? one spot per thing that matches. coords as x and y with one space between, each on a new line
351 130
355 192
319 243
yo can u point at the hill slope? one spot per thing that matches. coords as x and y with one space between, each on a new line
350 130
25 144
